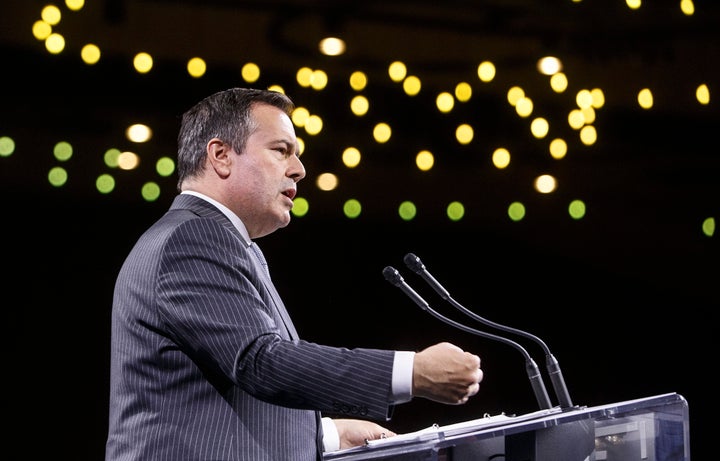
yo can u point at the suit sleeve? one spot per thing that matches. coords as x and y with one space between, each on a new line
213 307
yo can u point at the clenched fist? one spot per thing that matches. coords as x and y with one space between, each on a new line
445 373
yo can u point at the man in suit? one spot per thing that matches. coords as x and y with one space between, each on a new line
205 361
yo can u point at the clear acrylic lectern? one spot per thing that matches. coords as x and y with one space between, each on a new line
647 429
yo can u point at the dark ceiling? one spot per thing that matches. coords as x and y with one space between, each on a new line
649 182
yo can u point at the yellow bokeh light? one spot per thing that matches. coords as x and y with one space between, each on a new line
358 80
382 132
464 133
196 67
486 71
250 72
55 43
397 71
351 157
90 54
359 105
424 160
143 63
501 158
645 98
445 102
51 14
412 85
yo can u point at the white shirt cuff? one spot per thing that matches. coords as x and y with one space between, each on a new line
402 376
331 438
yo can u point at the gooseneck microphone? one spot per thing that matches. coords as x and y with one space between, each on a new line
552 365
538 386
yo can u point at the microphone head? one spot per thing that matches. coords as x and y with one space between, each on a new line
413 263
393 276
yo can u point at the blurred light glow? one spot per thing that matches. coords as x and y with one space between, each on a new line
424 160
358 80
55 43
165 166
588 135
250 72
75 5
549 65
464 133
516 211
326 181
455 211
313 125
501 158
558 148
51 14
128 160
407 210
445 102
318 80
105 183
545 184
559 82
7 146
702 93
412 85
359 105
486 71
143 63
138 133
576 209
382 132
351 157
300 206
332 46
645 98
90 54
63 151
463 91
539 127
397 71
150 191
196 67
352 208
57 176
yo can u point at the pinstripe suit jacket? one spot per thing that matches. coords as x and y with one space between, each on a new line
206 364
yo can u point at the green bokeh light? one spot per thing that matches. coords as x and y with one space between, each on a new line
455 211
352 208
165 166
111 157
516 211
708 226
7 146
57 176
576 209
300 207
407 210
150 191
105 183
63 151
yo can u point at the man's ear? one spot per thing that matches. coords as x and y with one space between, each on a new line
219 156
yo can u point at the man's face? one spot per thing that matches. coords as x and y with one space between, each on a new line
264 176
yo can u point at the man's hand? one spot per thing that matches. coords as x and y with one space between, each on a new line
445 373
354 432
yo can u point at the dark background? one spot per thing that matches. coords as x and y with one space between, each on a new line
626 298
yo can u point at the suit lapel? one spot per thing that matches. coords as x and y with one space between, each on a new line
208 210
